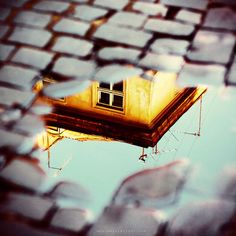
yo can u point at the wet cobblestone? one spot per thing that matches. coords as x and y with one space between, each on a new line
195 39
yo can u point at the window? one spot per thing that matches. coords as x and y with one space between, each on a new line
111 95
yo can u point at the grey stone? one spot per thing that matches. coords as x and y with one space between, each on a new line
18 76
35 37
150 8
69 190
116 73
161 185
10 115
32 207
193 75
8 97
33 57
14 3
89 13
169 27
117 5
12 228
168 63
51 6
3 30
136 38
63 89
24 173
15 142
119 53
41 109
127 220
74 68
232 73
4 13
72 27
201 218
78 47
226 2
195 4
128 19
170 46
32 18
189 16
70 219
221 18
5 51
29 125
211 46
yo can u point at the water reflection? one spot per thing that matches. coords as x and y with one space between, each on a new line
136 111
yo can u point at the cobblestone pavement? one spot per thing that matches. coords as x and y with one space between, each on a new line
76 41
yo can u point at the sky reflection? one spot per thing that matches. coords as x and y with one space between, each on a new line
101 166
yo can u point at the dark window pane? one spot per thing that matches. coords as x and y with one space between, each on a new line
104 98
117 101
104 85
118 87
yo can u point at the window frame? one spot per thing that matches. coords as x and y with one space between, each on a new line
111 94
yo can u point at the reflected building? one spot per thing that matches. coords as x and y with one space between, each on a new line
137 111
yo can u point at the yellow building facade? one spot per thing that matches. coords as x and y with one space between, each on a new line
138 111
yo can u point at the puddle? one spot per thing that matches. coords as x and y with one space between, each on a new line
99 163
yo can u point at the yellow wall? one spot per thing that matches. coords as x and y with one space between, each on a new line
143 100
163 91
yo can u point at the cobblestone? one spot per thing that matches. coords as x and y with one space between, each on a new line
116 46
221 18
73 46
63 89
226 2
13 228
9 97
89 13
71 190
169 27
30 125
119 53
34 37
23 173
212 47
195 4
118 4
116 73
3 30
126 36
16 143
4 13
189 16
150 8
128 19
162 62
193 74
14 3
28 206
32 18
14 75
5 51
74 68
33 57
72 27
51 6
70 219
232 73
170 46
130 220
